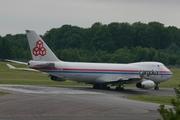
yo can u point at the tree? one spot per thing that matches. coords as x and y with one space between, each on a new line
145 42
70 55
122 55
122 34
95 59
102 39
173 49
5 50
74 41
140 36
175 32
171 113
141 54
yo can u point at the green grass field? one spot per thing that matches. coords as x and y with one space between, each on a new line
3 93
152 98
8 76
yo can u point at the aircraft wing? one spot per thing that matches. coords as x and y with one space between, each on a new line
125 80
27 69
120 80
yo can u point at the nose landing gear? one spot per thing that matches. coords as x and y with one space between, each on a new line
156 87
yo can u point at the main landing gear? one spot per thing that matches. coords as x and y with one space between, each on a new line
120 87
105 87
156 87
101 86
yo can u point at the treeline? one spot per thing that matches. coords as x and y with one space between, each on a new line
115 43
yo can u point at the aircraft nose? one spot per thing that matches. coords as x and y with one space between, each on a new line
170 74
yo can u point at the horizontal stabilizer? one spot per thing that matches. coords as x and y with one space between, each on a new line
16 62
26 69
10 66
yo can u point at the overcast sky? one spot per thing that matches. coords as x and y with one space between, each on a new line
43 15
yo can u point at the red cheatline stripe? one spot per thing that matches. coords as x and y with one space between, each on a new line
165 71
77 69
80 69
45 68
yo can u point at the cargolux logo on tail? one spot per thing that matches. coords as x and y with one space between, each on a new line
39 49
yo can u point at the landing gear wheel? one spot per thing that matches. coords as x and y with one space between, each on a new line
108 88
156 87
96 86
105 87
101 86
120 87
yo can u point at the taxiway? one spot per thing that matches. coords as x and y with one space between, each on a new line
63 103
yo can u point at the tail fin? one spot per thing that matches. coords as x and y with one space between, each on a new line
39 50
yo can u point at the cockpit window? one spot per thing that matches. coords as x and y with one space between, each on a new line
162 66
159 66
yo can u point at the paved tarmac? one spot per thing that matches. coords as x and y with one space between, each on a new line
76 103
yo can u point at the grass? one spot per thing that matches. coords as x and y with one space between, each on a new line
152 98
3 93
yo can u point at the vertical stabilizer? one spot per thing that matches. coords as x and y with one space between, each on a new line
39 50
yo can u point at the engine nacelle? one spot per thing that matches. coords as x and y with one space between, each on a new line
147 84
54 78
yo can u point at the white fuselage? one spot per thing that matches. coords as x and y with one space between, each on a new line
104 72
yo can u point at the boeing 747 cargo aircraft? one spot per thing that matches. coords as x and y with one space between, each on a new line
144 74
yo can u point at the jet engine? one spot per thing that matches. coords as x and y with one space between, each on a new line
146 84
54 78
